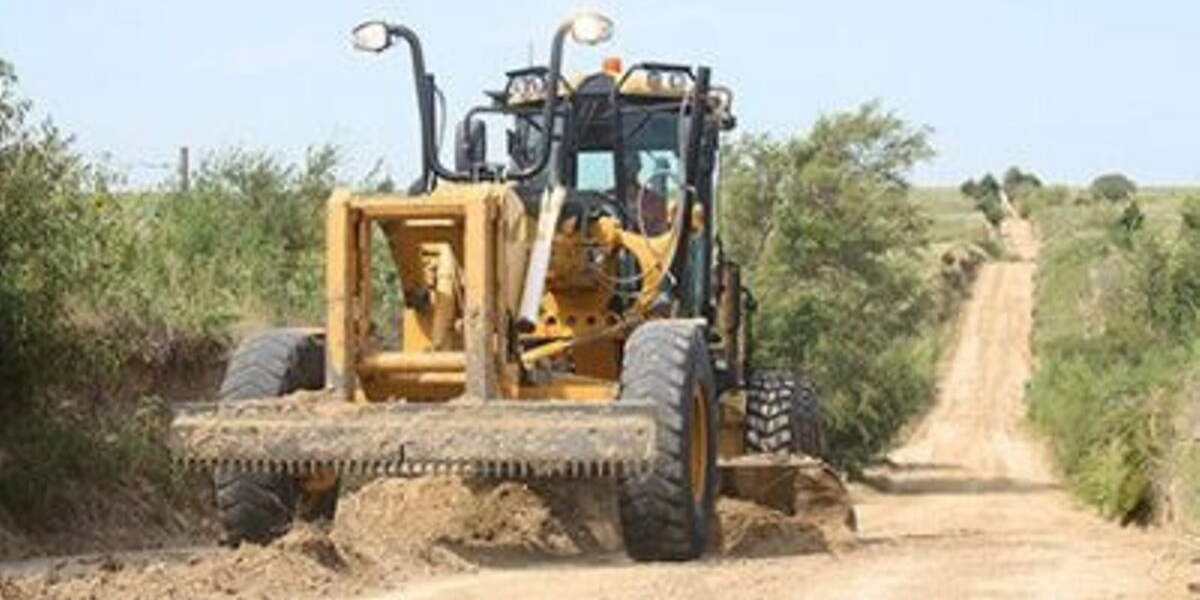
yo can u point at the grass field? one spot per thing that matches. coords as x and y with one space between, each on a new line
1162 204
953 216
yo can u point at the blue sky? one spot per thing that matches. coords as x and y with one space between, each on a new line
1068 88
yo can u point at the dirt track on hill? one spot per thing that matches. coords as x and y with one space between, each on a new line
968 508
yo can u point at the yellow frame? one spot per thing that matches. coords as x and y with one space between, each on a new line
454 344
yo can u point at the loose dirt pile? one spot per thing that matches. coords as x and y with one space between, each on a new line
387 532
391 531
822 520
750 530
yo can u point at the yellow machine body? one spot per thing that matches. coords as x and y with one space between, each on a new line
460 256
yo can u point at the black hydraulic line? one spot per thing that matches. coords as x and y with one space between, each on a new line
431 164
691 164
549 109
424 102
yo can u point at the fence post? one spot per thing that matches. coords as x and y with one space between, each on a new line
185 173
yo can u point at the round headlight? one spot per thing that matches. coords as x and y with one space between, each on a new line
678 81
372 36
591 28
517 87
654 79
535 85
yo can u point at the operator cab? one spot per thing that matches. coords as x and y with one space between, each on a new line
619 145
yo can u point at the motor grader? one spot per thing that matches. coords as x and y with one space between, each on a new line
565 311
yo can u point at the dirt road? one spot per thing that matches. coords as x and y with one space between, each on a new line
967 509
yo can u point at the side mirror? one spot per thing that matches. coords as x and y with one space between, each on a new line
470 146
372 36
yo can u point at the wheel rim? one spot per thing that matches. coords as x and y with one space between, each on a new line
699 450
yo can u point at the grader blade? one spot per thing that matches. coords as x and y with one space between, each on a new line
305 433
790 484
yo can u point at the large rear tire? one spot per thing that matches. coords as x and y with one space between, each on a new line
259 507
667 513
783 415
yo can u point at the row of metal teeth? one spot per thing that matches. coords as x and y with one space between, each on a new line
411 468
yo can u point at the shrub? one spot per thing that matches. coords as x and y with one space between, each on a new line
1115 336
986 194
49 242
54 218
1190 214
1131 221
992 208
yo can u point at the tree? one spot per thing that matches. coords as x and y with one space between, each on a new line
1017 181
1020 187
986 194
969 188
988 186
1114 187
835 253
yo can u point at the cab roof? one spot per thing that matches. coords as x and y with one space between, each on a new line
657 81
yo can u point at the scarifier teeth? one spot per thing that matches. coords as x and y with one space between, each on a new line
483 469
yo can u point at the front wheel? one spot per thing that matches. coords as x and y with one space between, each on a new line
667 513
259 507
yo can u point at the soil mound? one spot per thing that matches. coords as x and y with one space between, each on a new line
387 532
751 530
447 522
393 530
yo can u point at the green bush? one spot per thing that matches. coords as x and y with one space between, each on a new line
984 187
823 222
1116 333
1190 215
1131 221
48 244
53 244
986 194
1106 412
